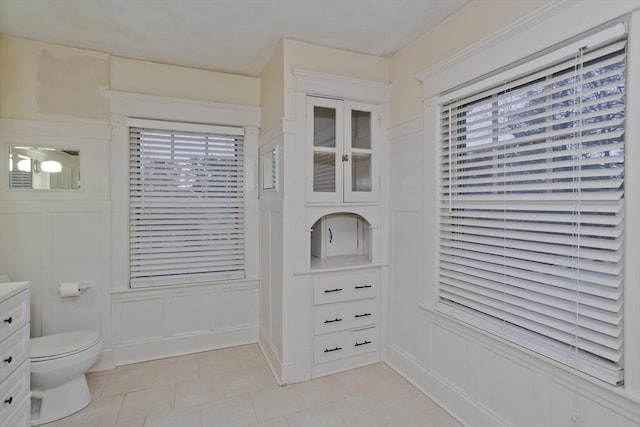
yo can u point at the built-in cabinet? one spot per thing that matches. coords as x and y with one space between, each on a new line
15 372
323 270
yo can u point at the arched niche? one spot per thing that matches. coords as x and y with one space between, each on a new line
340 237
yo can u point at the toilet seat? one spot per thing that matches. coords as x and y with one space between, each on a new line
61 345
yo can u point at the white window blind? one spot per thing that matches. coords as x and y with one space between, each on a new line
532 210
186 205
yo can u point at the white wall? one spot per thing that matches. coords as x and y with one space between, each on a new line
479 378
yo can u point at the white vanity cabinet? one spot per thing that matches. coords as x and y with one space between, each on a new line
14 355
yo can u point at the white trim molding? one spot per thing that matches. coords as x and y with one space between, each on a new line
314 83
181 109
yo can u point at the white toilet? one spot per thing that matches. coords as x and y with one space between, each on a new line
58 364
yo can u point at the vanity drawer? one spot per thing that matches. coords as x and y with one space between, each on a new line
349 315
339 345
21 417
13 351
344 287
14 314
14 391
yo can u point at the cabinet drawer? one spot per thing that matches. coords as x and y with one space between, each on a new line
21 416
14 391
13 351
15 314
342 316
344 287
344 344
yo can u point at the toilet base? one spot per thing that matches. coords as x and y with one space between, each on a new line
61 401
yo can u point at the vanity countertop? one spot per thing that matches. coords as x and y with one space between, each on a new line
9 289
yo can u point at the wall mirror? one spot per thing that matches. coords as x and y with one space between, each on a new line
270 169
44 168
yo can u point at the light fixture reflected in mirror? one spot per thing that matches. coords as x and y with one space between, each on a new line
44 168
51 166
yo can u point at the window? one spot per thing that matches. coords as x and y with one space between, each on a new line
532 209
186 203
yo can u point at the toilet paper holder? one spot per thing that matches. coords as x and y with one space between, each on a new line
73 289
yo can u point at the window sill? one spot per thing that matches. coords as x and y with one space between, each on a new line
187 288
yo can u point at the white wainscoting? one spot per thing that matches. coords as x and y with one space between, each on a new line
163 322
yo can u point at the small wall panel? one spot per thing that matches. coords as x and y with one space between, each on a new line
191 313
450 357
505 387
142 320
237 308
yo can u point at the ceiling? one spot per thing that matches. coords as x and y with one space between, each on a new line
236 36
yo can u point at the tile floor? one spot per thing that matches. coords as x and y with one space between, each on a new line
233 387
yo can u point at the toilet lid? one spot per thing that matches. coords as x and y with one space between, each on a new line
61 344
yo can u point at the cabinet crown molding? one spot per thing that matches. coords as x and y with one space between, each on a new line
314 83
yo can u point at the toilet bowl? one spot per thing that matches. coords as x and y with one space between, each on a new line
58 364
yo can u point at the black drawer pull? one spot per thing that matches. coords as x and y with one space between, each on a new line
9 400
8 359
8 320
365 342
363 286
329 350
362 315
333 321
327 291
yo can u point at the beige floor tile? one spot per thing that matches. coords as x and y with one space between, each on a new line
362 411
404 404
175 372
250 356
278 422
276 402
146 402
429 418
247 381
320 391
219 362
147 364
235 412
100 413
96 384
121 382
184 417
132 423
323 416
199 391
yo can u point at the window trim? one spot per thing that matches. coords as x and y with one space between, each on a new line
127 106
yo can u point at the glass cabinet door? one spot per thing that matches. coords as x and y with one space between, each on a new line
359 170
325 122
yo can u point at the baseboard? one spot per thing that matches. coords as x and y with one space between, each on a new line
142 351
458 405
283 372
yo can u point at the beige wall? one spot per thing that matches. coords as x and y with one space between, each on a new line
130 75
476 21
41 81
300 55
272 90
